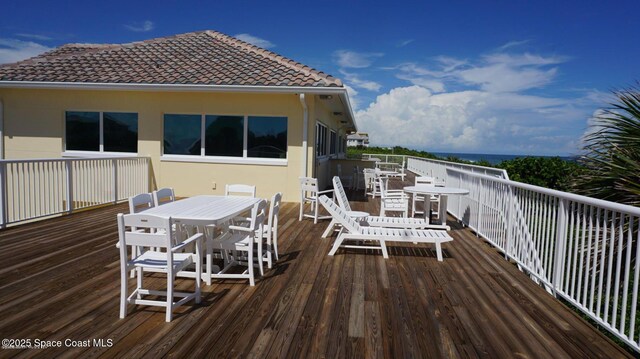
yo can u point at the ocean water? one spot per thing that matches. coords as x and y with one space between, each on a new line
494 159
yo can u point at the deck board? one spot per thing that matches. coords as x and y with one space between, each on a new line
60 280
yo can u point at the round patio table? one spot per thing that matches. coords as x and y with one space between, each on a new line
443 192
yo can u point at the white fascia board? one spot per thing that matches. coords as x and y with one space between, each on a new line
170 87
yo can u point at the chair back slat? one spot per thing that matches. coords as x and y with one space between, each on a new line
144 230
341 195
274 209
240 189
308 184
163 196
425 180
140 202
340 215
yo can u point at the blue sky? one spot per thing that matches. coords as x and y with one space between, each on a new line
510 77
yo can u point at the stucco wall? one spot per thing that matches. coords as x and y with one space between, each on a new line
34 128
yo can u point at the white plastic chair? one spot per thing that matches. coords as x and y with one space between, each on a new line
141 202
371 185
309 193
142 230
163 195
392 200
424 181
240 190
270 231
241 239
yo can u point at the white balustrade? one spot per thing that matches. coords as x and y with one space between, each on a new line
31 189
581 249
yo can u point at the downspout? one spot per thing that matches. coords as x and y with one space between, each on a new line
1 131
305 130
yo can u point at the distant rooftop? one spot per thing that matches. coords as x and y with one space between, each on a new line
195 58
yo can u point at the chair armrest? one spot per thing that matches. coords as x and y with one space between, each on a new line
325 191
195 237
240 228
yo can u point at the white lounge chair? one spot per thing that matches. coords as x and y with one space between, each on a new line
351 230
375 221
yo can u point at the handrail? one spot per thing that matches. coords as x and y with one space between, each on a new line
37 188
580 248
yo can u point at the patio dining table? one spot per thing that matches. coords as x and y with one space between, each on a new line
427 191
200 212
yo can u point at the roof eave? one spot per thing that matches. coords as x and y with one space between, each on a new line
170 87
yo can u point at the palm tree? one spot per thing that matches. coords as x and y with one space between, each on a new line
612 152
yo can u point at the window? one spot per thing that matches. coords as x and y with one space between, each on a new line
332 143
340 144
182 134
321 140
101 131
225 136
267 137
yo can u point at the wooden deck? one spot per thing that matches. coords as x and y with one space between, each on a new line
60 281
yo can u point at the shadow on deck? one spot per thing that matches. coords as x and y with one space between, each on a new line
60 281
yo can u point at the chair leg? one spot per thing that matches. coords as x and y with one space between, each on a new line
252 281
260 258
199 277
123 293
275 244
336 244
383 247
315 211
169 315
329 228
439 251
209 258
139 280
301 209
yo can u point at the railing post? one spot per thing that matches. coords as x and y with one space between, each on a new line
509 238
479 208
69 168
560 247
4 216
115 180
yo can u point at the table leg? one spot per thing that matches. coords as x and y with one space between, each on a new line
442 210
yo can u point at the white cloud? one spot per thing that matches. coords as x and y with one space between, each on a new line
353 97
356 81
254 40
471 121
404 43
355 60
511 44
35 37
144 26
12 50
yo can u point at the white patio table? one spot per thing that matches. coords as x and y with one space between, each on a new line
444 192
202 211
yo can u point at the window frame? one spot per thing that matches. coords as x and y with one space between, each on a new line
245 159
100 152
333 143
321 143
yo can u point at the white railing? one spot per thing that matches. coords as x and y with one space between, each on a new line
581 249
31 189
435 168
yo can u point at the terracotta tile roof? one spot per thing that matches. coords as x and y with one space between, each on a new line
201 58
